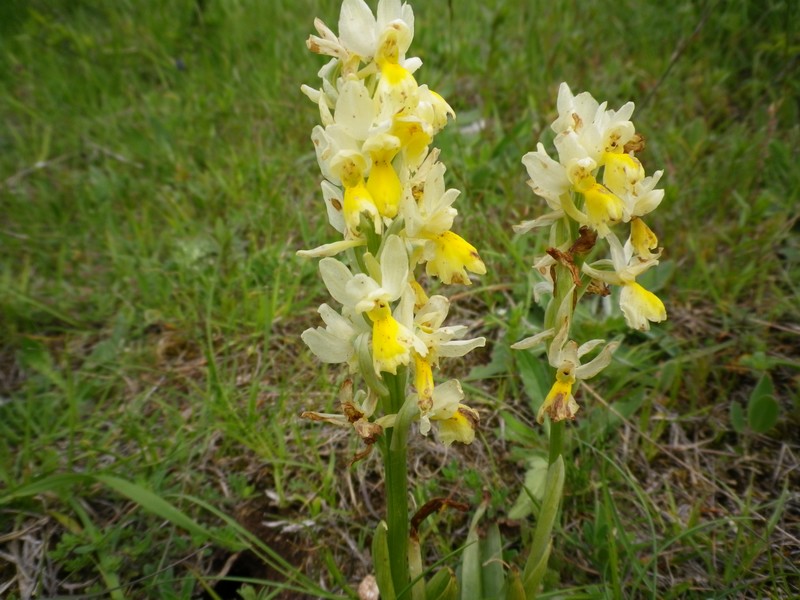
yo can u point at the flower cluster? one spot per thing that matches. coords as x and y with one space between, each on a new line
597 185
384 193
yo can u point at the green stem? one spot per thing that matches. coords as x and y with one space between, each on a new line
396 467
556 441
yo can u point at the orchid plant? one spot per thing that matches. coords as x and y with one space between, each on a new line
384 193
596 190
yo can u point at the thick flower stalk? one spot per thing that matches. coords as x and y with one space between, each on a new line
597 193
384 192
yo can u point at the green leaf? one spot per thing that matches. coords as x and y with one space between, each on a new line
737 417
381 562
442 586
493 575
471 585
762 409
515 590
51 483
536 564
155 504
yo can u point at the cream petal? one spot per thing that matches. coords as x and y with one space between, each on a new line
355 109
434 312
336 277
598 363
544 221
337 325
458 348
357 27
334 201
534 340
587 347
388 11
446 398
326 346
331 249
394 267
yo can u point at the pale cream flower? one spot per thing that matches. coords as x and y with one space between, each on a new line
639 305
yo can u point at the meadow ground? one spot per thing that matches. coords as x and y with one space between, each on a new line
156 180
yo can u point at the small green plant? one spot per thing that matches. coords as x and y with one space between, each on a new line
596 186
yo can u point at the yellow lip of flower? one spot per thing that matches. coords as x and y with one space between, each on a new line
423 381
357 200
394 73
643 239
390 340
460 427
621 172
385 188
602 207
453 257
415 136
559 403
397 85
640 306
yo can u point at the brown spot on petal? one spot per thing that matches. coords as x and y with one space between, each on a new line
636 144
313 46
470 415
336 204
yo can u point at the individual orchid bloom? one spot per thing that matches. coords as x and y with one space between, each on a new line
639 305
565 356
439 341
397 91
391 340
449 257
574 112
361 33
384 183
416 128
598 129
433 109
602 207
456 422
442 341
358 200
433 212
575 171
624 175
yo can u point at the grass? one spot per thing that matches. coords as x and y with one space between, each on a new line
156 179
